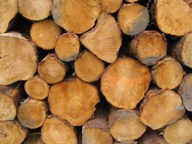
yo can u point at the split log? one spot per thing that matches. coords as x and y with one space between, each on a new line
173 17
167 73
161 108
88 67
105 39
45 33
51 69
33 138
149 47
76 16
57 131
125 125
35 9
73 100
179 132
133 18
8 10
36 88
125 82
18 59
67 47
11 132
110 6
32 113
9 99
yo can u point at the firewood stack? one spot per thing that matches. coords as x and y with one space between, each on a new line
95 71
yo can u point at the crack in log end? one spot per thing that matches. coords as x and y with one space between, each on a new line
3 135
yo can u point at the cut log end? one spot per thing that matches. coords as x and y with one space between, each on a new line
110 6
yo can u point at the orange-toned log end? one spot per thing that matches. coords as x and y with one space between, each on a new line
167 73
56 131
36 88
32 113
125 82
67 47
149 47
51 69
73 100
105 39
131 1
161 108
125 125
88 67
45 33
110 6
33 138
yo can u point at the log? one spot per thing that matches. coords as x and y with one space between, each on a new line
76 16
105 39
169 17
45 33
67 47
51 69
36 88
128 142
161 108
9 99
35 10
167 73
88 67
179 132
58 131
73 100
33 138
11 132
32 113
131 1
125 82
133 18
125 125
18 59
149 47
8 10
110 6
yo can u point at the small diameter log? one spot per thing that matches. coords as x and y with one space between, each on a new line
96 130
179 132
183 50
167 73
88 67
35 9
9 99
149 47
33 138
32 113
56 131
51 69
105 39
186 92
125 125
36 88
67 47
161 108
125 82
110 6
45 33
11 132
8 10
73 100
133 18
76 16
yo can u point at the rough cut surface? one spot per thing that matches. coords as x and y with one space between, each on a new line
110 6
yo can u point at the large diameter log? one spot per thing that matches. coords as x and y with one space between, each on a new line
167 73
56 131
149 47
110 6
11 132
76 16
18 59
8 10
161 108
125 125
173 17
125 82
105 39
33 138
73 100
32 113
133 18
